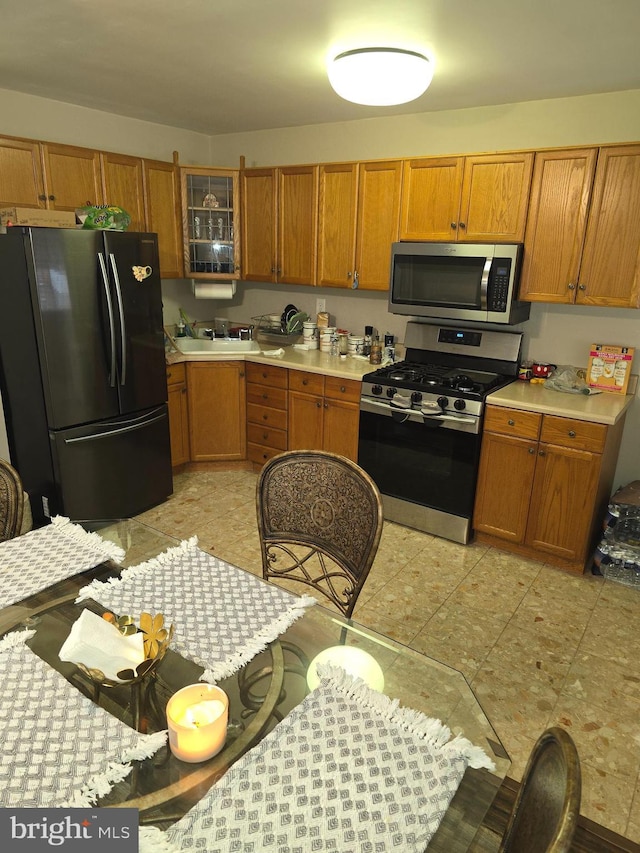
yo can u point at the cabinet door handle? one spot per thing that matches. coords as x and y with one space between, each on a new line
572 433
42 197
532 450
454 225
511 422
326 405
571 286
541 453
463 225
184 390
318 405
242 375
53 198
582 287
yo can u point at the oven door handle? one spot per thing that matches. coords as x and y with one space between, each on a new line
460 423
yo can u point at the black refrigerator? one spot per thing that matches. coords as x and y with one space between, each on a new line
82 371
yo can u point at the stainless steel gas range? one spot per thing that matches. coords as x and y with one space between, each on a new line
421 422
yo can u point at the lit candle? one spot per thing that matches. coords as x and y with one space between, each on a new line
197 722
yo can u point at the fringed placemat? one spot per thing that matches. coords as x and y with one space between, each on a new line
42 557
347 770
223 616
57 748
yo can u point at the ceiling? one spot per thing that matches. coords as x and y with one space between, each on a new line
225 66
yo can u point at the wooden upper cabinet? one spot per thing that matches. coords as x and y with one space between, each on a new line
337 224
72 176
358 221
162 201
297 218
431 198
474 199
378 221
259 222
21 182
554 238
495 197
123 185
610 270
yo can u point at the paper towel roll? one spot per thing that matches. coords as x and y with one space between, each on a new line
214 289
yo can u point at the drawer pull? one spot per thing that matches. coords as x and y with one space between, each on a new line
265 396
343 389
572 433
264 374
265 435
265 417
305 381
511 422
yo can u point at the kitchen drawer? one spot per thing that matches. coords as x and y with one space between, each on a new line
308 383
259 454
512 422
274 438
582 435
176 374
342 389
266 395
266 375
263 415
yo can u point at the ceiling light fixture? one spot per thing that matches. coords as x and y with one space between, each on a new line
380 76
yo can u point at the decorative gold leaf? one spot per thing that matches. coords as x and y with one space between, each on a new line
154 633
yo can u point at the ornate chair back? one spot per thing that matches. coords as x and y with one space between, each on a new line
320 521
11 501
545 813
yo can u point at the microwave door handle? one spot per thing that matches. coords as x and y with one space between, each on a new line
484 283
112 331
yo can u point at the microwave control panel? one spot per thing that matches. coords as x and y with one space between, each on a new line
499 284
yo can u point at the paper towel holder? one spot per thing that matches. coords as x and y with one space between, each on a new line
213 289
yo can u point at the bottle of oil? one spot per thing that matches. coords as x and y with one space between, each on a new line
375 356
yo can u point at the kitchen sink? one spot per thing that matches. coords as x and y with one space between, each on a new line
217 346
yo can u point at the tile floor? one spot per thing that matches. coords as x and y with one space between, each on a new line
539 646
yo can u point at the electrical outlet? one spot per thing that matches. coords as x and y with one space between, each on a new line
321 305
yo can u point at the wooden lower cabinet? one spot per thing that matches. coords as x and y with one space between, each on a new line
544 484
324 413
266 412
178 413
217 410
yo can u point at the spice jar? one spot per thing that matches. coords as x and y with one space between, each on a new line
375 356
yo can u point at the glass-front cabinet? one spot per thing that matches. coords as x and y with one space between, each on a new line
211 240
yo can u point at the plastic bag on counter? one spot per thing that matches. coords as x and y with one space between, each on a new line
567 378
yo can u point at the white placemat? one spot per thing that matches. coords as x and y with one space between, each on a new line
223 615
347 770
42 557
57 748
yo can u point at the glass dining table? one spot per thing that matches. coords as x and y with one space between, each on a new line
261 693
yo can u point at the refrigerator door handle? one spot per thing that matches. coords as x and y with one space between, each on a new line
112 330
123 328
132 426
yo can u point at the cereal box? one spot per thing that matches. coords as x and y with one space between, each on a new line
610 367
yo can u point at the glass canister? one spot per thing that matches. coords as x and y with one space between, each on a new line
343 341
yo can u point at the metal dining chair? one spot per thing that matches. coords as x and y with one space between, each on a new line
545 813
11 501
320 521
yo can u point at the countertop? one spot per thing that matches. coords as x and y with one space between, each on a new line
605 408
312 361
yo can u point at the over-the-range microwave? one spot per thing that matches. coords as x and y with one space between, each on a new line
457 281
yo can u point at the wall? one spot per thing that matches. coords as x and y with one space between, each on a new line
54 121
590 119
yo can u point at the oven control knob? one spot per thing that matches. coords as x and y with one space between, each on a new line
377 389
443 402
460 405
391 392
416 397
